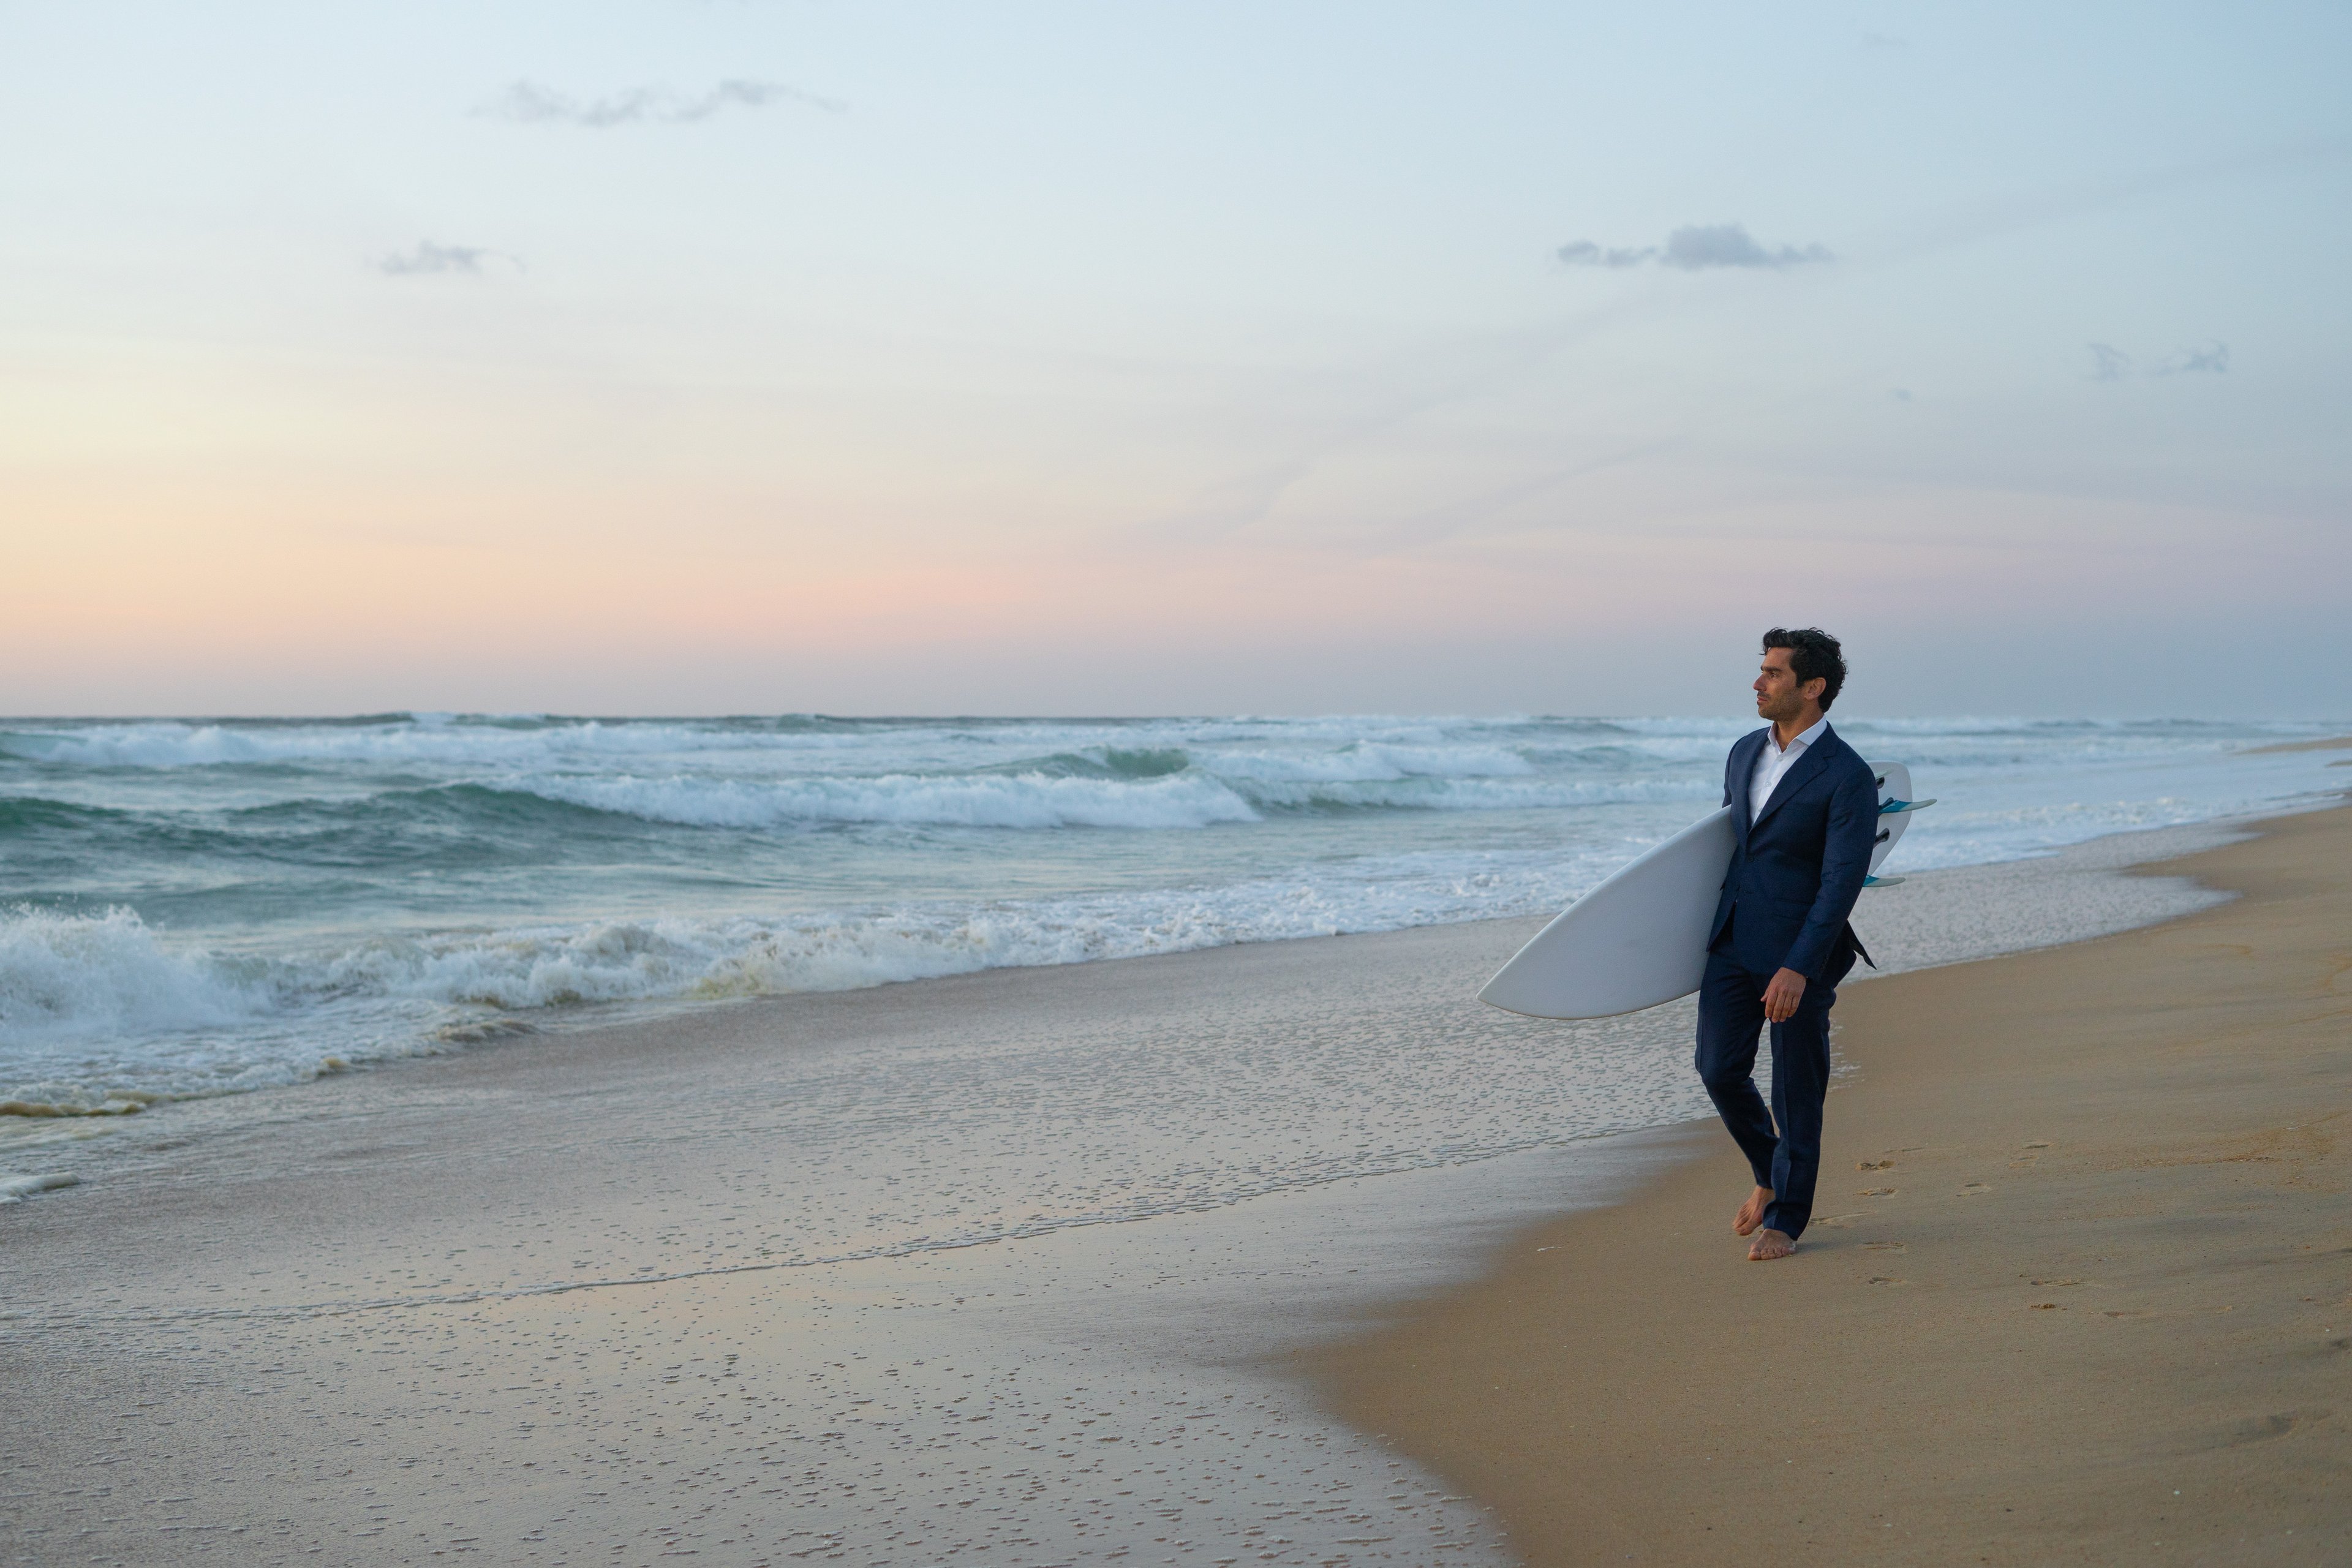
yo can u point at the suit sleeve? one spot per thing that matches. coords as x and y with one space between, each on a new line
1845 861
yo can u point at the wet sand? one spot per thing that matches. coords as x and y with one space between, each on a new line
552 1301
2330 743
2081 1292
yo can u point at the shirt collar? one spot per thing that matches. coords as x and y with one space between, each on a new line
1807 739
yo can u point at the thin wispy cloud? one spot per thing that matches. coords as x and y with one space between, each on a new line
1396 393
528 103
428 256
2211 360
1586 253
2020 213
2108 362
1695 248
2111 364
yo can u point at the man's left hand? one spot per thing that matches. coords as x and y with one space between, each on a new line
1783 996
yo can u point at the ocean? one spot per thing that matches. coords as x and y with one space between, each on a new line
200 907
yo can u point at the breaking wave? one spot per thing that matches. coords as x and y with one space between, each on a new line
107 974
399 741
1024 800
1198 797
93 1006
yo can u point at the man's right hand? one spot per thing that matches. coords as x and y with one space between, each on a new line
1782 997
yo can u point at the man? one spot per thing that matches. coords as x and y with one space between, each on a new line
1806 808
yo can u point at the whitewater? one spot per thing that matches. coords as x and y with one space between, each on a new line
193 908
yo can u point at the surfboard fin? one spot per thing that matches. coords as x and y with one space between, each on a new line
1889 807
1880 881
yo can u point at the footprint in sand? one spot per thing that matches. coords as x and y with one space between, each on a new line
1876 1192
1974 1189
1875 1165
1886 1246
1885 1280
2050 1282
2045 1306
2128 1313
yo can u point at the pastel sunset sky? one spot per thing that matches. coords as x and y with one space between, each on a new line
678 357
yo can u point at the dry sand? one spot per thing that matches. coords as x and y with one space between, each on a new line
2081 1292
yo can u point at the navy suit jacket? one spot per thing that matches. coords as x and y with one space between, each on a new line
1797 870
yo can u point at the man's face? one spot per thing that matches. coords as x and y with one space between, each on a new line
1778 695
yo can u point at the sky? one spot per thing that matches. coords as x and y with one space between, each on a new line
685 356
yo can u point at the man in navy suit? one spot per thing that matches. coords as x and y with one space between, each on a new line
1806 808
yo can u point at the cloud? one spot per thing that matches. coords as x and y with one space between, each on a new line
2213 359
430 257
2018 214
2111 364
1692 248
528 103
1728 244
2108 362
1585 253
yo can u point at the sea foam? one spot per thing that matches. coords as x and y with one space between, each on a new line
87 974
93 1007
186 745
1032 800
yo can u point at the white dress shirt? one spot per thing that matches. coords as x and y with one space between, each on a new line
1772 763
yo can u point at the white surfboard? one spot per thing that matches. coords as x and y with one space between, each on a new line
1639 938
1635 940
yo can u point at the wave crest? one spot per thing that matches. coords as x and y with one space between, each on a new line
107 972
1032 800
1225 788
165 744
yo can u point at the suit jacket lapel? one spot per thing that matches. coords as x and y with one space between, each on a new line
1815 757
1743 775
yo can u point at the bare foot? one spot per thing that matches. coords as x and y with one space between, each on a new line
1751 1213
1769 1246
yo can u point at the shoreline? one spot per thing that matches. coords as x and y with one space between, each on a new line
2084 1300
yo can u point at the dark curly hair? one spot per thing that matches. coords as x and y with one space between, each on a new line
1813 655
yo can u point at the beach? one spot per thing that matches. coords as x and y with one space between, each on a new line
2081 1290
602 1296
771 780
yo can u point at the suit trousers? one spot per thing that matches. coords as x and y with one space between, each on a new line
1783 1145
